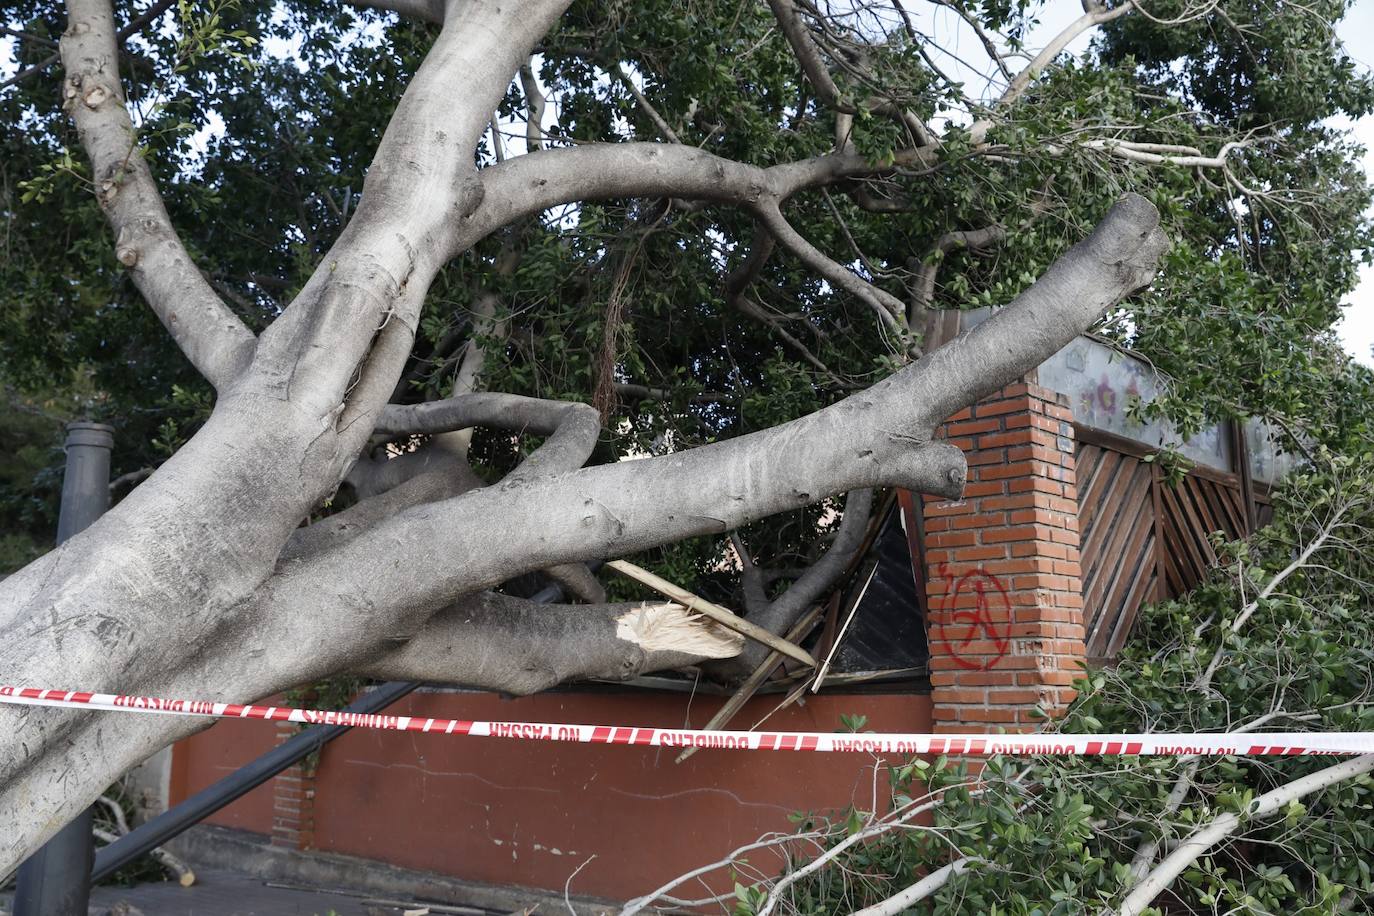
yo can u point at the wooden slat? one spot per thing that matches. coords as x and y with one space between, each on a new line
1225 504
1142 539
1178 542
1104 466
1137 564
1109 503
1115 553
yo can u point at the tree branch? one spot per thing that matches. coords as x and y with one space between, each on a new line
919 891
423 10
819 76
534 109
645 105
738 281
1021 82
210 335
776 616
340 346
526 185
497 642
572 428
889 309
923 287
1203 839
878 437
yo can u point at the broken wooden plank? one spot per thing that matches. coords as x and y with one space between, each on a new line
756 680
723 616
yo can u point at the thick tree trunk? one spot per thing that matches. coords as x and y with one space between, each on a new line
197 585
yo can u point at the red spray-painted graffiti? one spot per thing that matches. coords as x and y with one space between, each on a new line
962 629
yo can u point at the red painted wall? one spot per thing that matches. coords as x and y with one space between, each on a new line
212 755
522 813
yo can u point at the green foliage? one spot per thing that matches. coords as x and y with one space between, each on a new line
1058 834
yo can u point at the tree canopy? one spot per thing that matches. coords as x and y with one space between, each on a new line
259 122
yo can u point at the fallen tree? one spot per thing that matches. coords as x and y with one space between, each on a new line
203 582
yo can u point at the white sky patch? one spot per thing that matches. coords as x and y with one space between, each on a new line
1356 329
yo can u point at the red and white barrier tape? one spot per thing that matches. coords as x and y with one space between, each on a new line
981 745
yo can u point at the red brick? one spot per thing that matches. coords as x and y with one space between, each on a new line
1059 412
990 488
997 408
998 440
939 510
983 520
966 678
1019 501
974 554
952 539
985 714
1020 565
1058 583
1016 533
972 427
990 456
1017 469
1038 484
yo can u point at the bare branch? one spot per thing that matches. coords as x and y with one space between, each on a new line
572 428
497 642
889 309
341 345
919 891
776 616
819 76
1203 839
534 108
741 278
423 10
387 488
923 287
822 575
577 580
1021 82
527 185
659 123
210 335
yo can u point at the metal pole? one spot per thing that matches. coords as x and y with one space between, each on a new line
207 801
54 880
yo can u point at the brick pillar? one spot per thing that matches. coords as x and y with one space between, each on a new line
293 799
1003 578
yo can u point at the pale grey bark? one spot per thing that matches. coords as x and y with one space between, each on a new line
215 341
525 647
1205 838
199 584
809 588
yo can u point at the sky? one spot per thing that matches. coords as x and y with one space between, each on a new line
1357 328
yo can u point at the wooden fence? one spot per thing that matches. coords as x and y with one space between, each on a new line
1143 540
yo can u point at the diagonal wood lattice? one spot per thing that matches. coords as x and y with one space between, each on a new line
1142 539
